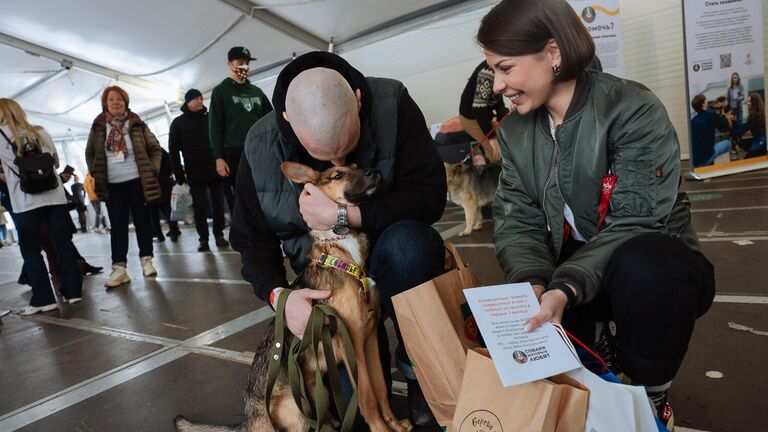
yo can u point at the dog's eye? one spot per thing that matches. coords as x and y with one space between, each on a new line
337 176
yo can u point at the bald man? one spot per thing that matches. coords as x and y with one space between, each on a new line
327 113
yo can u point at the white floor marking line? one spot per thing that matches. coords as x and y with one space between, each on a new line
139 277
93 327
452 232
45 407
474 245
682 429
741 299
56 402
729 209
226 252
732 239
741 327
727 189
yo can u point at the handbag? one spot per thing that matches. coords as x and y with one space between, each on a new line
37 169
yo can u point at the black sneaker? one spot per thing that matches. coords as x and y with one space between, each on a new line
203 247
663 410
174 235
222 242
420 414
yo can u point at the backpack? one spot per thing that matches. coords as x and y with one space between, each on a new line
37 169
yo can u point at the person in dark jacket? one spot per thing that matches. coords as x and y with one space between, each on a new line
704 149
386 131
163 205
188 136
589 209
236 105
76 197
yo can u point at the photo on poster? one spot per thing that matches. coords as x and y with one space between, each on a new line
726 84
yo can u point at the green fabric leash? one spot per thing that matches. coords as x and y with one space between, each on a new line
316 333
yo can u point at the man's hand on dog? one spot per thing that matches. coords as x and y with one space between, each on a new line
298 306
318 211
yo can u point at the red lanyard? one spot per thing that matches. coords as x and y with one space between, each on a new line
609 183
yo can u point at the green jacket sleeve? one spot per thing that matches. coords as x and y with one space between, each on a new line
520 226
216 125
646 161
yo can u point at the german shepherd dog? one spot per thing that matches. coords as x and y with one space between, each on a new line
360 313
472 187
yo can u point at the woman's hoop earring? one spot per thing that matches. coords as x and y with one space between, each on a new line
556 71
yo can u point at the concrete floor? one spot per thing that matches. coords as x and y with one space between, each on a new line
132 358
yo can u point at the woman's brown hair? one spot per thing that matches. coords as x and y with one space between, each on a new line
522 27
757 111
118 90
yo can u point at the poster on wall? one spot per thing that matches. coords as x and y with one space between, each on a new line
603 21
725 74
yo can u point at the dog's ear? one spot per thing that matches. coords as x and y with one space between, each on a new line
299 173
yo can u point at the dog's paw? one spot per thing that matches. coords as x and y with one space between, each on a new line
465 233
477 227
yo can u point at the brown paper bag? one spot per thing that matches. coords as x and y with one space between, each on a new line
555 405
436 334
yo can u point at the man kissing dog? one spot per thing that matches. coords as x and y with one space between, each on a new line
327 114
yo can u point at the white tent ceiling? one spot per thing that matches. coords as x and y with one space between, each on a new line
57 56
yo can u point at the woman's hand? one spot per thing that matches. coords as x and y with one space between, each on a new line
552 306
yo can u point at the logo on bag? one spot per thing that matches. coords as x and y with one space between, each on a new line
481 421
520 357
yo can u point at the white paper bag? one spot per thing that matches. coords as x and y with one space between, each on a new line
615 407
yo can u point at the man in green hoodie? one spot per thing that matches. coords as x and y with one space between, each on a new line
236 105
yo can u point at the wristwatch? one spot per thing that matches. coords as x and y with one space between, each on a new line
341 227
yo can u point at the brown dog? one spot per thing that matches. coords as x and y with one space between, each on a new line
358 310
472 187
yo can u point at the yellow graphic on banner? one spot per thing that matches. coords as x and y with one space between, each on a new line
606 11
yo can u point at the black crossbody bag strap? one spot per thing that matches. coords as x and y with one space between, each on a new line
10 145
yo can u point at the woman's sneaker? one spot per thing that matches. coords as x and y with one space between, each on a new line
31 310
146 266
118 277
663 410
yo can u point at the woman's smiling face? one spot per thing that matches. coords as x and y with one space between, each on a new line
526 80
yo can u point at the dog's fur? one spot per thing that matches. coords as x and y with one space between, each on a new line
348 186
472 187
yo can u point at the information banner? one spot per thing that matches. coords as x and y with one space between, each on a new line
603 21
725 73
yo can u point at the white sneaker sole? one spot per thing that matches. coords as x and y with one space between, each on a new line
111 283
46 308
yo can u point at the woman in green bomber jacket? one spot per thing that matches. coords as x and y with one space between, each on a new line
588 208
